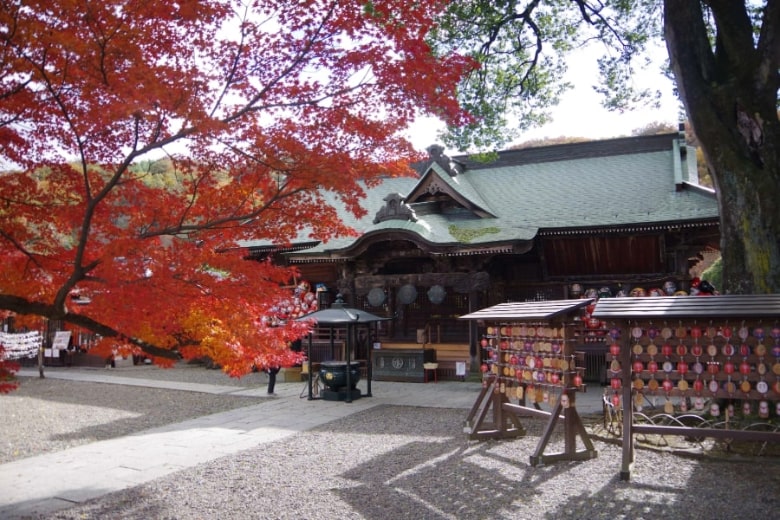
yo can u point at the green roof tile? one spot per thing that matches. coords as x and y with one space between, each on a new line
547 189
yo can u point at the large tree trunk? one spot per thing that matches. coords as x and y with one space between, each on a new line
730 95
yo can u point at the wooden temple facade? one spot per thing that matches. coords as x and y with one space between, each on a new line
534 224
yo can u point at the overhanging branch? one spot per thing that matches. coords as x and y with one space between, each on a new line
45 310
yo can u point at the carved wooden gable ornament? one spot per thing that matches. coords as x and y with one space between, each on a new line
394 209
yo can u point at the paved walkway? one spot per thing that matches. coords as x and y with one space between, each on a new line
47 483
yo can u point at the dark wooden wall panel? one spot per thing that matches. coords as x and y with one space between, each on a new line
603 255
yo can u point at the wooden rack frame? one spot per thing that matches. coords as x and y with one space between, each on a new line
685 312
504 421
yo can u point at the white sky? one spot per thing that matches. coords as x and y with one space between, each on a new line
580 113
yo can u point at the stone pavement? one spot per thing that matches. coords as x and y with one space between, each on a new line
54 481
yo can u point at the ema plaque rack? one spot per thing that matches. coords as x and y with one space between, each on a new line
529 356
713 358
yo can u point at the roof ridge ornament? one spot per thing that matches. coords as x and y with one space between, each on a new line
394 209
436 154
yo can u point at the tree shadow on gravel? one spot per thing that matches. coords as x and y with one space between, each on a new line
682 487
450 477
437 482
447 477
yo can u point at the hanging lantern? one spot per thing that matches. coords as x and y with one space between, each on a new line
376 296
436 294
407 294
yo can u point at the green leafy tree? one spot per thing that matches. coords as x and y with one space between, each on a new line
724 57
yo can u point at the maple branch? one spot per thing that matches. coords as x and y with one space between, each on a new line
313 101
221 223
20 248
297 60
93 199
252 105
233 69
23 306
9 36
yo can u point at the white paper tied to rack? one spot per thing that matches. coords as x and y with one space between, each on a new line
21 345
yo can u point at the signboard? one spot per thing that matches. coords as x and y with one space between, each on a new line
61 340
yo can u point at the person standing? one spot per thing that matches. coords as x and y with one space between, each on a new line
272 371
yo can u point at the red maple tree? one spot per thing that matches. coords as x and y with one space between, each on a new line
143 141
8 370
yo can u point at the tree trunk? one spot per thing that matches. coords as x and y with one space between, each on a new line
40 362
730 96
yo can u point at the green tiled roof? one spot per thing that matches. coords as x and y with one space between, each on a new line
463 185
614 183
601 191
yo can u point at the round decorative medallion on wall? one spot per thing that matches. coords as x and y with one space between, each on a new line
407 294
436 294
376 296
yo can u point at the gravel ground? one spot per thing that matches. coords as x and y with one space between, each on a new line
47 415
401 463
